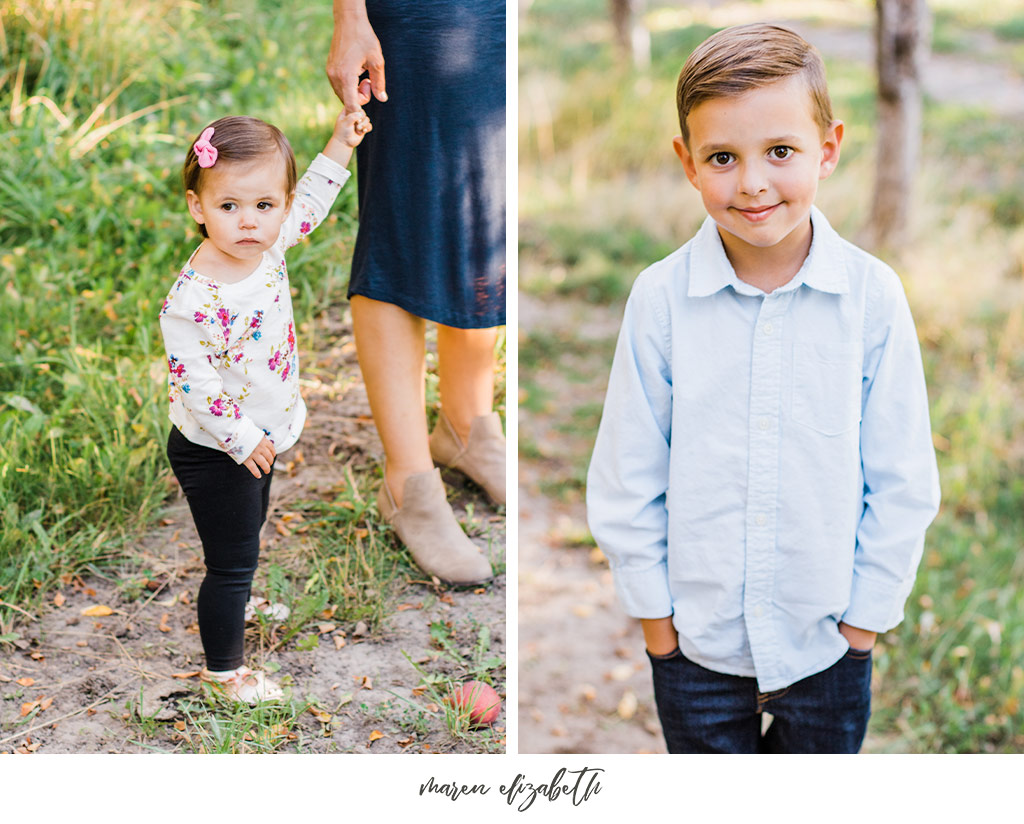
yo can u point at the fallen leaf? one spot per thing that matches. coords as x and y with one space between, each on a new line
405 742
403 607
185 674
26 682
282 529
164 627
97 610
359 630
166 522
362 533
58 599
432 707
320 715
339 641
447 599
44 703
418 691
326 628
27 707
367 683
82 643
479 590
346 505
627 705
328 613
179 726
376 735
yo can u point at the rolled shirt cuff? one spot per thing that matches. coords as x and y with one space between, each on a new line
875 605
644 593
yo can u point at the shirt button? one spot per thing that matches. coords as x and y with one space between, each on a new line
765 424
768 328
761 520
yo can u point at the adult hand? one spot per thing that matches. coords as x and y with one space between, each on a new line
354 48
262 457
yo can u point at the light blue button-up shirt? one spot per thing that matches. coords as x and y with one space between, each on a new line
764 466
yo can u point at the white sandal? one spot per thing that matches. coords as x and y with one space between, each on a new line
262 607
244 685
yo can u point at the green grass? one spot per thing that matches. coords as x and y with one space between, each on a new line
93 231
602 196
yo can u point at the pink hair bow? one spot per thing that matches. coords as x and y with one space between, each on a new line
205 150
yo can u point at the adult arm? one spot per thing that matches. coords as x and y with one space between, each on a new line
901 482
627 482
354 48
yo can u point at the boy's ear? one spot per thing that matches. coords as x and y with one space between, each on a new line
686 159
830 149
194 207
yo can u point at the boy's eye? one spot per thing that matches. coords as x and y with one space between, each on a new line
781 152
263 205
721 159
227 207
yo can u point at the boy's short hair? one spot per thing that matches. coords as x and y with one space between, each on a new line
741 58
239 139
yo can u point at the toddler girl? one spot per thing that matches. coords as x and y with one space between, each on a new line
230 338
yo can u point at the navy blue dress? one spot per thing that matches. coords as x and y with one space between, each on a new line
431 174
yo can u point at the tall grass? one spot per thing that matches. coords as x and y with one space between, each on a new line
601 196
98 101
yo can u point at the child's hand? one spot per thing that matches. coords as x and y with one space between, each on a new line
262 457
350 128
856 637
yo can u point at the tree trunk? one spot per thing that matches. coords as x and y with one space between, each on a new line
632 38
902 35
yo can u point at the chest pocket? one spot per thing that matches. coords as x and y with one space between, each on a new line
827 386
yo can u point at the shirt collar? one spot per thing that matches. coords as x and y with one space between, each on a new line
823 269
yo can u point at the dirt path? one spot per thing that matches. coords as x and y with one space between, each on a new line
125 682
584 681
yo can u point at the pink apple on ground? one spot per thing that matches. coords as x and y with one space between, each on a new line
480 699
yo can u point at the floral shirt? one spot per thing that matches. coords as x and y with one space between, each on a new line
233 369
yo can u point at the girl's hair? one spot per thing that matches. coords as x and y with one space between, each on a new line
742 58
239 139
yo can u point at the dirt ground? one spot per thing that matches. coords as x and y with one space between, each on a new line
79 684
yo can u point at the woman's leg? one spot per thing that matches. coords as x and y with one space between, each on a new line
468 436
465 367
391 350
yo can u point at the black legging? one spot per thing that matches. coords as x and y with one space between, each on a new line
229 507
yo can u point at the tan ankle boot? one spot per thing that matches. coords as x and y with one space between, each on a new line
426 525
482 459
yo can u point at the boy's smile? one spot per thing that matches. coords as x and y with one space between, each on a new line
242 206
756 160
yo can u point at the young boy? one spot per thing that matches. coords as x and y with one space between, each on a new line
764 472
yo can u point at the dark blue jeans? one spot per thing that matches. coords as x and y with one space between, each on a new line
704 712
